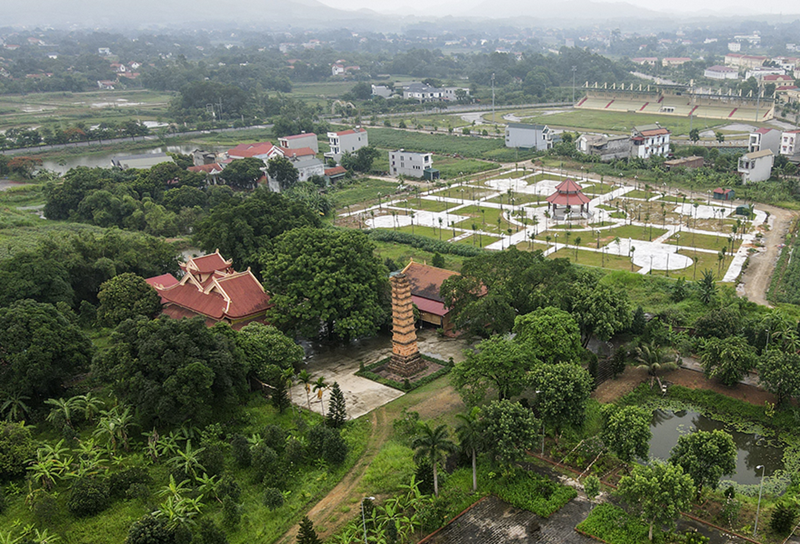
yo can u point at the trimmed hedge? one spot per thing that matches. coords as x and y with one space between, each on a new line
614 525
423 242
367 373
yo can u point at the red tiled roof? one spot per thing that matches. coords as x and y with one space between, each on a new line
207 263
299 152
246 294
721 191
162 281
568 199
351 131
335 171
763 130
234 296
207 168
294 136
251 150
426 281
777 77
655 132
430 306
568 186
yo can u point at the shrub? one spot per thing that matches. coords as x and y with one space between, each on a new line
228 487
274 437
611 523
231 513
88 496
2 501
335 449
149 530
16 447
120 482
295 451
213 459
532 492
207 532
265 461
240 448
273 498
45 508
783 517
425 243
317 435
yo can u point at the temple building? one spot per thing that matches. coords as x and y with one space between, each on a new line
212 289
568 195
406 360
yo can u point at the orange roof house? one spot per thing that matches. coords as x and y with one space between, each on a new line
426 282
211 288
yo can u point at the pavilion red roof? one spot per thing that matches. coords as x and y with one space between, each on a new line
568 186
207 263
235 296
568 193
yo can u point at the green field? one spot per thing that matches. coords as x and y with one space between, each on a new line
91 108
518 199
478 240
364 191
450 167
485 218
423 204
593 258
401 254
466 146
703 241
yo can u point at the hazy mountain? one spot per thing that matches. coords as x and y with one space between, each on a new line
568 10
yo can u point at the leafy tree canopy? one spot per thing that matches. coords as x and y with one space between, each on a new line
728 359
326 278
564 389
243 173
241 227
509 430
264 346
173 371
705 456
551 335
626 432
39 349
124 297
601 310
779 373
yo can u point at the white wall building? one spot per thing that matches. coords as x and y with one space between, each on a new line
790 144
299 141
765 138
538 137
721 72
756 166
346 141
649 140
407 163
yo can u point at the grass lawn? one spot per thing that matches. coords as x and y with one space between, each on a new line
519 199
450 167
22 195
514 174
593 258
361 191
527 246
402 254
598 189
645 195
430 232
423 204
478 240
623 122
703 241
485 218
589 239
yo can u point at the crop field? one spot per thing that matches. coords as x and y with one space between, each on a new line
51 109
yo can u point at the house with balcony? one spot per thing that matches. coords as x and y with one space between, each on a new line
528 136
756 166
650 140
299 141
415 165
346 141
790 145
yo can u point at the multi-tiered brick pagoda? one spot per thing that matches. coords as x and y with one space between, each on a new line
406 360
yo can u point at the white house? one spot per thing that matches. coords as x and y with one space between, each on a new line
721 72
538 137
337 69
382 91
789 142
299 141
759 72
765 138
307 167
451 94
346 141
422 92
756 166
406 163
649 140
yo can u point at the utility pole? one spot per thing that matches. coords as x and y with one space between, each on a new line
574 68
493 98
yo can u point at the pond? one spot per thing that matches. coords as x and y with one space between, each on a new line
104 160
752 449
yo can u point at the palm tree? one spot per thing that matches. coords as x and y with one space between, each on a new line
14 407
90 405
305 378
288 375
654 358
113 426
577 244
319 387
62 409
432 445
469 437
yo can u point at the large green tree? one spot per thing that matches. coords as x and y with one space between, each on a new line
241 227
705 456
626 431
39 349
497 363
361 160
658 491
264 346
563 390
728 359
174 371
550 334
243 173
509 431
326 279
601 311
16 449
779 373
126 296
283 171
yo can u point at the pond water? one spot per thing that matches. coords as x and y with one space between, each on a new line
752 449
104 160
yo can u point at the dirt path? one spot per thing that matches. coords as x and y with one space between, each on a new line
347 488
757 277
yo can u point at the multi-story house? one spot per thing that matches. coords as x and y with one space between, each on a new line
346 141
650 140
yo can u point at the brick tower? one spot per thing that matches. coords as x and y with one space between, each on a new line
406 360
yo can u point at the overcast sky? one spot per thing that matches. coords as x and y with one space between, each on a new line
449 7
